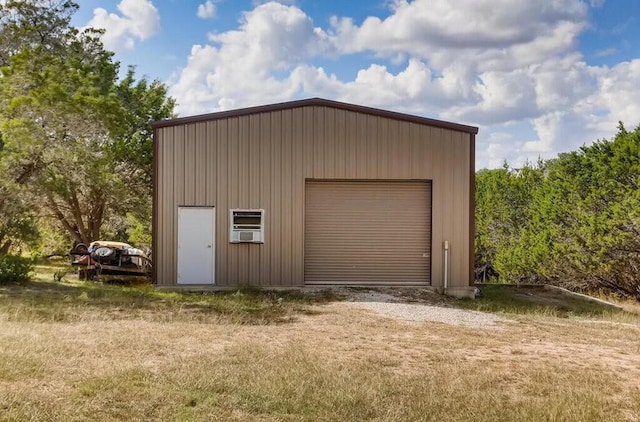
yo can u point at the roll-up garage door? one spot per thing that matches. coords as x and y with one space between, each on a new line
367 232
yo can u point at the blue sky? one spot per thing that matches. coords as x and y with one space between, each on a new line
537 77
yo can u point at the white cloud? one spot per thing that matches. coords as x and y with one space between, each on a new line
207 10
499 97
605 52
547 128
443 31
238 68
495 148
138 20
500 64
257 3
617 97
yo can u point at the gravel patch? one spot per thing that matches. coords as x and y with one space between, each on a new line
417 305
414 312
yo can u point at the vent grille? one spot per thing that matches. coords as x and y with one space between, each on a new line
246 236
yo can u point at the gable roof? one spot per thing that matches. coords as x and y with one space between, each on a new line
316 102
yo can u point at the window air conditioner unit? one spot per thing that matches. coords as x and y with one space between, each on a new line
246 226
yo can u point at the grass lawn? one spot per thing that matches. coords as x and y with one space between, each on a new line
78 351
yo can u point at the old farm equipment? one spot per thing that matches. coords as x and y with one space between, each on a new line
109 258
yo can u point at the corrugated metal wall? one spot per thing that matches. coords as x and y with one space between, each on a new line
367 232
262 161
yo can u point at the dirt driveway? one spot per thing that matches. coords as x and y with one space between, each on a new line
425 322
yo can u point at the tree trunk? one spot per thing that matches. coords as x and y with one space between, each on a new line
72 230
4 247
76 211
96 216
74 222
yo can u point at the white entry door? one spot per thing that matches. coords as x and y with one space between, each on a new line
196 247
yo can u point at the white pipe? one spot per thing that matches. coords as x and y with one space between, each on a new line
446 264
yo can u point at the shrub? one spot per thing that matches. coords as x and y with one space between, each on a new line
15 269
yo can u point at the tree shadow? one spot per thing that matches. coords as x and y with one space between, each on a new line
515 299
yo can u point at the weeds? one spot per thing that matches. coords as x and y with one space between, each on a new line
88 301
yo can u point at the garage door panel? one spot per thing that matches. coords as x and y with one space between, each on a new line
368 232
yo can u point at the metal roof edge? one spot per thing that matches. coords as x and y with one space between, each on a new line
315 102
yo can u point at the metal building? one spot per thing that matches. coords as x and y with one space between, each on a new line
313 192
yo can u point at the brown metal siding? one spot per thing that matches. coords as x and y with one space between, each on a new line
472 206
262 161
367 232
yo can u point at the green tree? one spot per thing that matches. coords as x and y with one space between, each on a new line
43 24
57 113
574 220
503 202
18 222
595 215
143 102
36 29
71 132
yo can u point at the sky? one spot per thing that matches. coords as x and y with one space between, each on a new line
537 77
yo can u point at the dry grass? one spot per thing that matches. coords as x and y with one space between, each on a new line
328 361
44 300
539 302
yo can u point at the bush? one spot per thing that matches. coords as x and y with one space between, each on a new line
15 269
